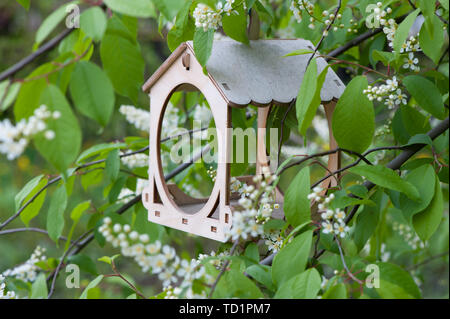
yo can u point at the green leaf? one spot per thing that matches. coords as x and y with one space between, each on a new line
396 283
235 24
30 93
261 274
24 3
93 23
39 288
291 260
63 149
427 222
112 165
367 222
403 30
108 260
432 37
84 262
75 215
308 98
135 8
385 177
122 59
32 210
426 94
184 28
91 285
251 251
203 43
423 178
78 211
52 21
302 286
354 117
8 93
55 217
26 190
299 52
420 139
296 204
385 57
169 8
98 149
234 284
338 291
92 92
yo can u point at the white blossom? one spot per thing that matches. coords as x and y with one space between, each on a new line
15 138
28 270
411 62
207 18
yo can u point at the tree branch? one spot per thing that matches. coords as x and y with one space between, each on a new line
395 164
224 267
29 229
33 56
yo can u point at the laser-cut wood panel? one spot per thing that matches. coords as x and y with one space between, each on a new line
237 76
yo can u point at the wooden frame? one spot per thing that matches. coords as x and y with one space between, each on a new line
166 203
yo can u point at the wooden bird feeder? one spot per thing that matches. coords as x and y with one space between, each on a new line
238 75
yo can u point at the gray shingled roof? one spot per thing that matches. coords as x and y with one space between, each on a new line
260 74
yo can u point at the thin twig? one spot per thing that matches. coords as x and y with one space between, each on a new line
344 263
27 60
61 261
396 163
118 274
324 34
426 261
224 267
29 229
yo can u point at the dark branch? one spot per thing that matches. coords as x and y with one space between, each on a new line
33 56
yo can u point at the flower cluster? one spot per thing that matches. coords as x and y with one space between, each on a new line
274 241
389 92
257 205
203 115
28 270
408 235
138 117
384 129
411 63
333 220
5 294
141 118
390 27
135 160
126 193
15 138
218 261
298 6
161 260
208 18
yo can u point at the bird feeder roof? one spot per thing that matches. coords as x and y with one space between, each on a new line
259 73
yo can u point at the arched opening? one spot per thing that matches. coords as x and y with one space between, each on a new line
188 138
